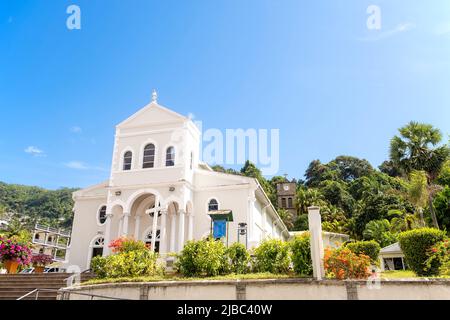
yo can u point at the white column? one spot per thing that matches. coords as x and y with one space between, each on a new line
182 214
173 222
107 237
154 229
250 208
126 216
315 230
163 232
191 226
137 225
119 229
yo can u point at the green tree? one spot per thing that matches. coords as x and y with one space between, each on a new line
379 230
442 204
418 149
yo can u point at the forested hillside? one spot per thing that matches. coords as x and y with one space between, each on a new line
31 204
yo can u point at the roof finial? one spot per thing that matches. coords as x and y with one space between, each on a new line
154 96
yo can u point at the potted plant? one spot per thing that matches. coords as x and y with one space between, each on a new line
13 254
40 261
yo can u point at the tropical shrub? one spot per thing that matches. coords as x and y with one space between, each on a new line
272 256
416 246
41 260
14 250
125 244
342 263
131 258
369 248
379 230
440 254
301 254
238 258
205 257
127 264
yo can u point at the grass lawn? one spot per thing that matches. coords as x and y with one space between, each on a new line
177 277
398 274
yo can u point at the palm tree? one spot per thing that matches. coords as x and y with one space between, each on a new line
417 149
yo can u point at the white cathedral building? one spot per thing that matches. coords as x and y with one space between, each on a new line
161 193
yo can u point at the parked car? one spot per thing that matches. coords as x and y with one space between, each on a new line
46 270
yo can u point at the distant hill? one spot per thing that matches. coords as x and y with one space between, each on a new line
31 204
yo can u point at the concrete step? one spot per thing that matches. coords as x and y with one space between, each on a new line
13 286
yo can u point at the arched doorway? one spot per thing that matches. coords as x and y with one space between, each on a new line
148 237
95 248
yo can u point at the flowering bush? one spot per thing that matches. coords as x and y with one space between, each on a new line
131 258
14 250
342 263
125 244
439 255
416 245
41 260
135 263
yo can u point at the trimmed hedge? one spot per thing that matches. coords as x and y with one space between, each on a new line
301 255
416 245
369 248
272 256
238 258
202 258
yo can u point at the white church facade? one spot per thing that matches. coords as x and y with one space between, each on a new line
161 193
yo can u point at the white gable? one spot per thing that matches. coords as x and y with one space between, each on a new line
152 113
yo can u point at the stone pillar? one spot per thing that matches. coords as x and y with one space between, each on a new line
137 226
315 230
154 228
107 237
191 226
126 216
173 222
163 232
182 214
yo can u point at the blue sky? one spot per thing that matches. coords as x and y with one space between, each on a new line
310 68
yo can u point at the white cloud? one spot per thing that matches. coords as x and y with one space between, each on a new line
76 165
379 35
35 151
75 129
79 165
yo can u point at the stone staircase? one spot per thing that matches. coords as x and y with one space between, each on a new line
13 286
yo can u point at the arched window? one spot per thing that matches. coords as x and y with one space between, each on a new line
96 248
127 158
213 205
283 202
149 156
290 205
102 215
170 157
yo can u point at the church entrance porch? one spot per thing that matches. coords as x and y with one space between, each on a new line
148 214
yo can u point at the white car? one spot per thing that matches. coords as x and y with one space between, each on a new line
46 270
